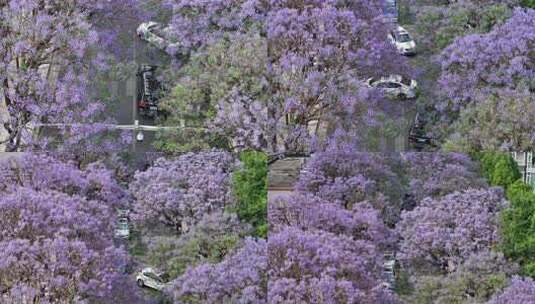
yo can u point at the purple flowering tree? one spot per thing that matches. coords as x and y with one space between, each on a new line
521 290
438 174
319 53
309 212
499 121
49 54
240 278
321 250
57 234
314 266
41 172
344 176
304 76
489 62
441 233
198 23
178 192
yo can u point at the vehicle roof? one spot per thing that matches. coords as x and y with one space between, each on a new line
150 23
152 270
395 78
401 30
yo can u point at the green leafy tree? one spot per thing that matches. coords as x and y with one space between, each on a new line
518 227
204 86
505 172
217 234
475 281
499 168
457 20
250 189
528 3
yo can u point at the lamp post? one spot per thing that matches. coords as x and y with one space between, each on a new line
139 136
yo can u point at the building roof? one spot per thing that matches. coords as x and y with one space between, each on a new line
283 173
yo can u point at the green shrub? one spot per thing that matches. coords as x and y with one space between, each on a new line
250 189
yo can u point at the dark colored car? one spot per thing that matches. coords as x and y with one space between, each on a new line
417 136
148 91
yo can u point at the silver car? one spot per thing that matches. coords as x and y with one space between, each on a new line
403 42
151 278
394 86
155 34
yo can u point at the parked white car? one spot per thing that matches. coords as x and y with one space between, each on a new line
155 34
151 278
394 86
122 229
403 41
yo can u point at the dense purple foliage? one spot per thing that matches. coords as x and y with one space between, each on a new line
308 266
521 290
41 172
485 63
438 174
240 278
319 52
198 23
344 176
443 232
309 212
178 192
57 231
48 52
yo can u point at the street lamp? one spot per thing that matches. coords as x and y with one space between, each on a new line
139 135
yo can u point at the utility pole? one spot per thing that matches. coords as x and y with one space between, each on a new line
134 98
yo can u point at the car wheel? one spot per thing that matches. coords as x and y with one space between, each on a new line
402 96
140 283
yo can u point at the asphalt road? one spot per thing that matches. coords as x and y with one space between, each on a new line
126 94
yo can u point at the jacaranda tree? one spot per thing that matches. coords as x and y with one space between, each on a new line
520 290
178 192
440 233
289 78
486 63
343 175
240 278
57 234
437 174
312 266
50 50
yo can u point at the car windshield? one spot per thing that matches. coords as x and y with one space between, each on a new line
403 37
157 30
406 81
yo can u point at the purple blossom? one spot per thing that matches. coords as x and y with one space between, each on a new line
521 290
240 278
178 192
443 232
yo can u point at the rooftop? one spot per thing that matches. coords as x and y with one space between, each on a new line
283 173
